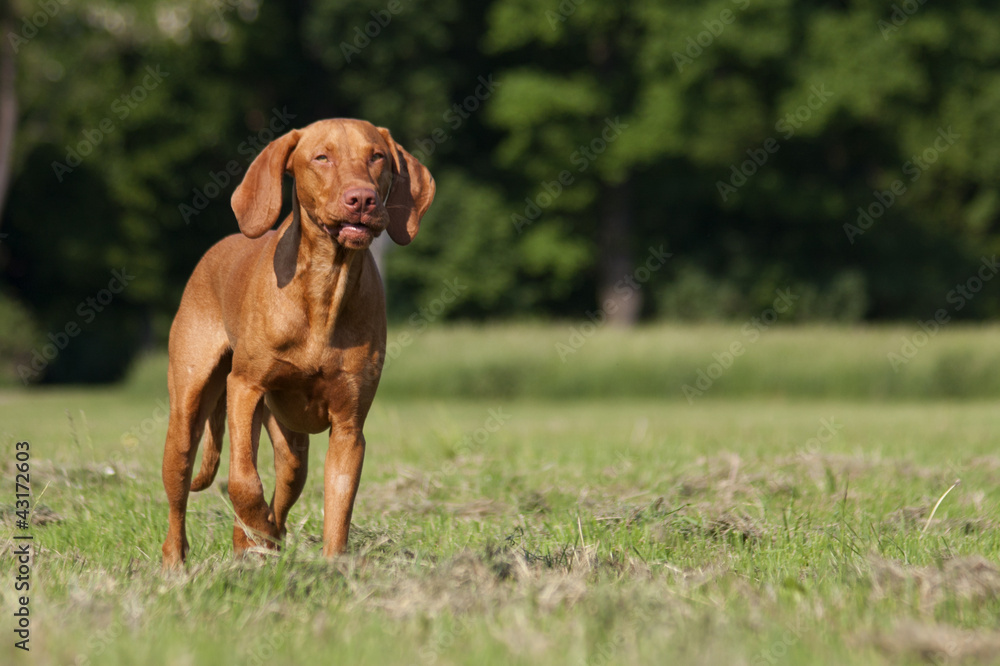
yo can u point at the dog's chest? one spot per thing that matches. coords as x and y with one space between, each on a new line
320 359
314 383
309 398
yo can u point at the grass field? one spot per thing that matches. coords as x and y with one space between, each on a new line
781 517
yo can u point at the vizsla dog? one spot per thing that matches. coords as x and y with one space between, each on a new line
287 329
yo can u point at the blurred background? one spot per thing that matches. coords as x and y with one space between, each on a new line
847 151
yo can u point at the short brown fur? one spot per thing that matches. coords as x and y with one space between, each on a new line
286 329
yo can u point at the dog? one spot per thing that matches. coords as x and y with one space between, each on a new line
286 329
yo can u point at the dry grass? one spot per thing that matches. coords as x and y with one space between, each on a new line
934 643
582 532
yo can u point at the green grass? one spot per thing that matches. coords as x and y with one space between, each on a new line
627 528
570 361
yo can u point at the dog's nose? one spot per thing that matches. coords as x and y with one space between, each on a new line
360 199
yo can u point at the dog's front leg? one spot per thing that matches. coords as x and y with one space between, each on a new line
253 524
342 474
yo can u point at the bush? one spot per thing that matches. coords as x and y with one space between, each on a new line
18 333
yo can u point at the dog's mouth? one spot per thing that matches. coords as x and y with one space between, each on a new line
355 235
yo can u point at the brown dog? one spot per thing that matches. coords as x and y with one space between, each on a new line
287 328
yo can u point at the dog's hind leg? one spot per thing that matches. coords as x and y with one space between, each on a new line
197 382
291 462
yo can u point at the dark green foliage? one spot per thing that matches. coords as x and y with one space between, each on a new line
749 139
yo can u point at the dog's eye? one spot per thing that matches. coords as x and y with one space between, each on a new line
377 156
321 158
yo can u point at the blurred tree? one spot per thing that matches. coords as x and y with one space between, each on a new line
753 134
418 70
8 101
570 83
848 151
127 110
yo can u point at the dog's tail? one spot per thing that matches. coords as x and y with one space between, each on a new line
213 447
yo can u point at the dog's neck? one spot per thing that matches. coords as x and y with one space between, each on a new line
325 273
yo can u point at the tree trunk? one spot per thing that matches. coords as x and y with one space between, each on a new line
8 102
619 295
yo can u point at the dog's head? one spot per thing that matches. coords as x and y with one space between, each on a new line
352 182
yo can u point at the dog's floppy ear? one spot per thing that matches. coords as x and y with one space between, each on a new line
257 200
411 195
